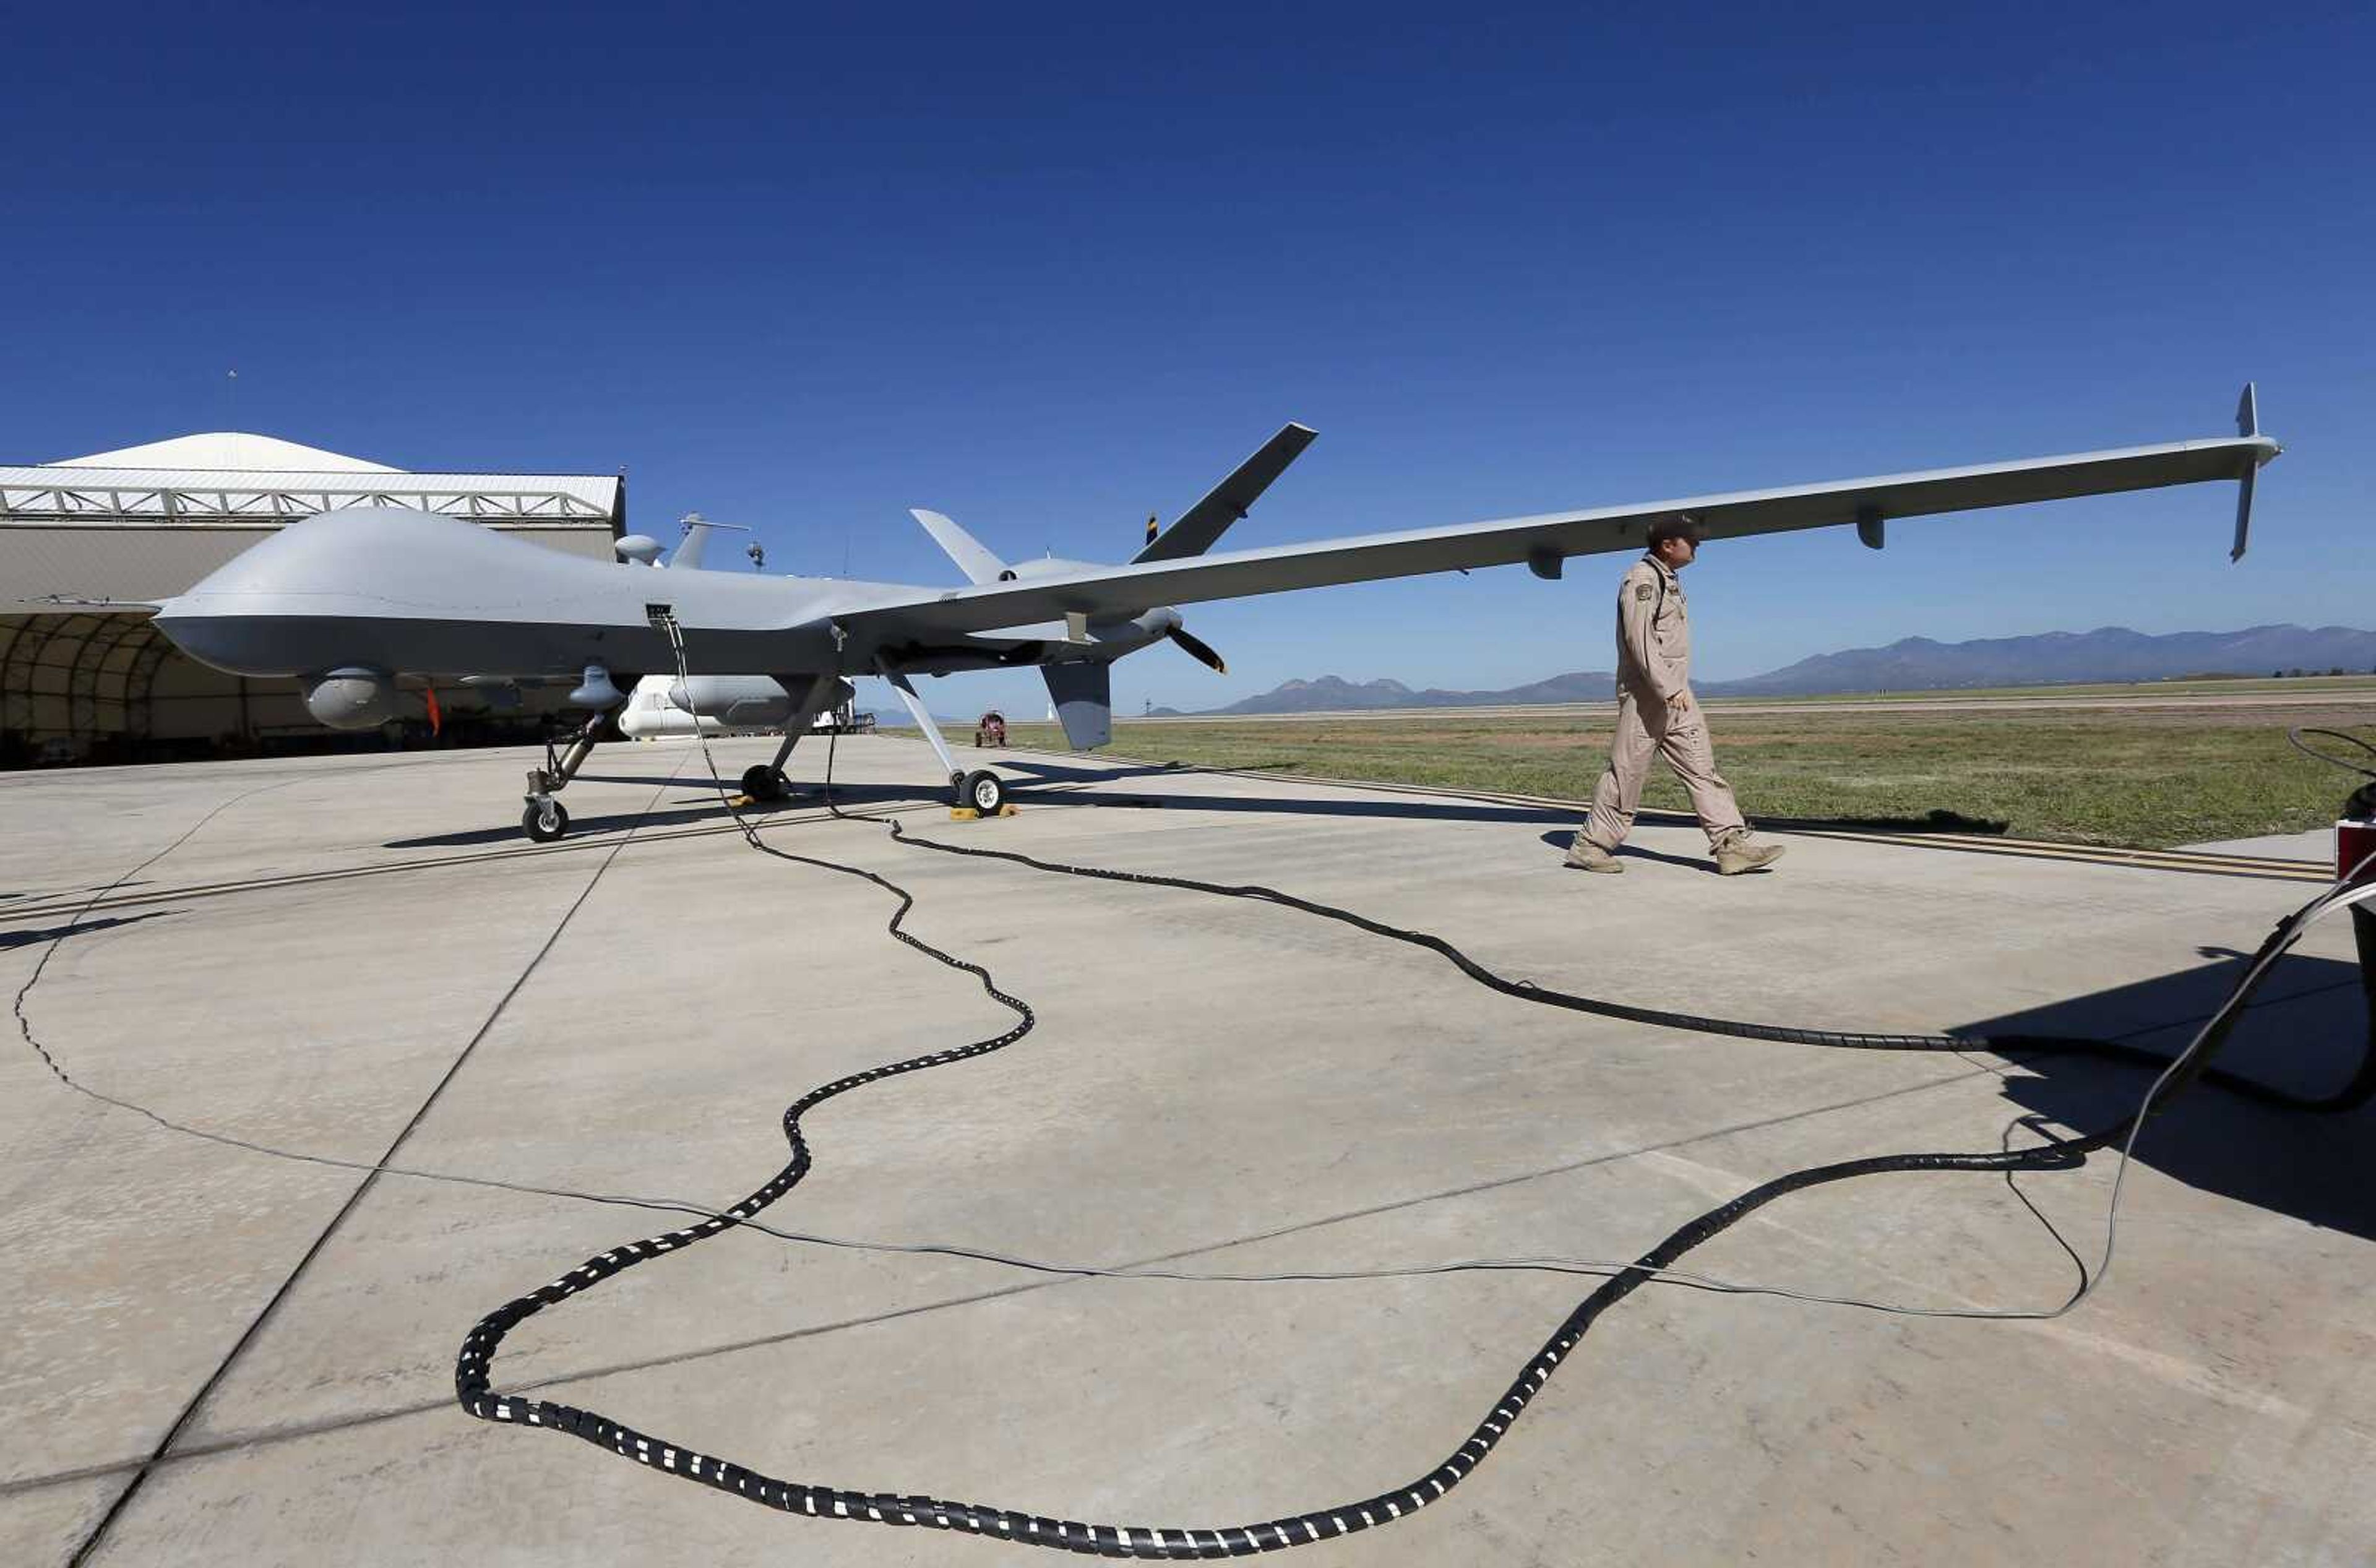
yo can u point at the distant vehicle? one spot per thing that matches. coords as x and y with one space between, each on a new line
991 729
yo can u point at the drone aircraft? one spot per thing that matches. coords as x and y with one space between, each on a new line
349 600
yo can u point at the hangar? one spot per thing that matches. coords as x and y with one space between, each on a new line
85 542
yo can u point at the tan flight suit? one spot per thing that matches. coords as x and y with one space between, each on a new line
1654 665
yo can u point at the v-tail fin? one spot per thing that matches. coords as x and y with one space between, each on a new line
978 563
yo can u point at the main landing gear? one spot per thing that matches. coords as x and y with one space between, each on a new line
979 791
765 782
983 791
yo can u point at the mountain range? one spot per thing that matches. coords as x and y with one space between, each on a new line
1911 664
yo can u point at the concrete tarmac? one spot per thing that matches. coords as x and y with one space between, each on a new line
214 1352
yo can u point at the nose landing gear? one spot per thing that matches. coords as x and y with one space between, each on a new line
544 819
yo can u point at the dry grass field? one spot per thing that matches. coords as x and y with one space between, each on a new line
2150 776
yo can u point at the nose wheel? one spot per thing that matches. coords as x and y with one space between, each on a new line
545 819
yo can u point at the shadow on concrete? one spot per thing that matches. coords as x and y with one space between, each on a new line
1039 772
1563 840
1408 808
859 797
1938 819
1453 808
1425 808
1057 772
656 780
1412 809
2306 1031
704 809
9 939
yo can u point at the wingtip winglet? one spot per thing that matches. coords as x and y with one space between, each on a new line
2248 425
1198 529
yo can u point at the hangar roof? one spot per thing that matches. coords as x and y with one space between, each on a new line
238 478
227 449
142 523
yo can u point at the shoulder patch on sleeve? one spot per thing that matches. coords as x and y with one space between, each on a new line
1642 591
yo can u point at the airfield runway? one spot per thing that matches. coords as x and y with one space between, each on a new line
217 1354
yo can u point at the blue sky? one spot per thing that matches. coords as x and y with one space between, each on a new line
1049 270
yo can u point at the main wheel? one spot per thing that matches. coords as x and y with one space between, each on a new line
985 791
764 783
545 823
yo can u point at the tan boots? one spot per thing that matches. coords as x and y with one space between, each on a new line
1740 852
1588 856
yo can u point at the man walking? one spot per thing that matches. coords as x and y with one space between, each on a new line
1657 714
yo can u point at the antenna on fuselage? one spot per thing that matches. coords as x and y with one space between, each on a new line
697 529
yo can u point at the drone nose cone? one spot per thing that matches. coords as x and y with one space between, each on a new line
276 607
213 632
184 622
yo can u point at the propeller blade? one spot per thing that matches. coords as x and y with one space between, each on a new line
1198 649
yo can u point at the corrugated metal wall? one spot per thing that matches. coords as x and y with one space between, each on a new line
98 686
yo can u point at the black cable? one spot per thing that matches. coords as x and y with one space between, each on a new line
2362 803
2355 1092
679 1206
2294 738
474 1365
2057 1157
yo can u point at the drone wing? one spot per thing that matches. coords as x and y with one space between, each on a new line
1544 541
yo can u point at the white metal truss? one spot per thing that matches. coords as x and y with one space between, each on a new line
101 496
